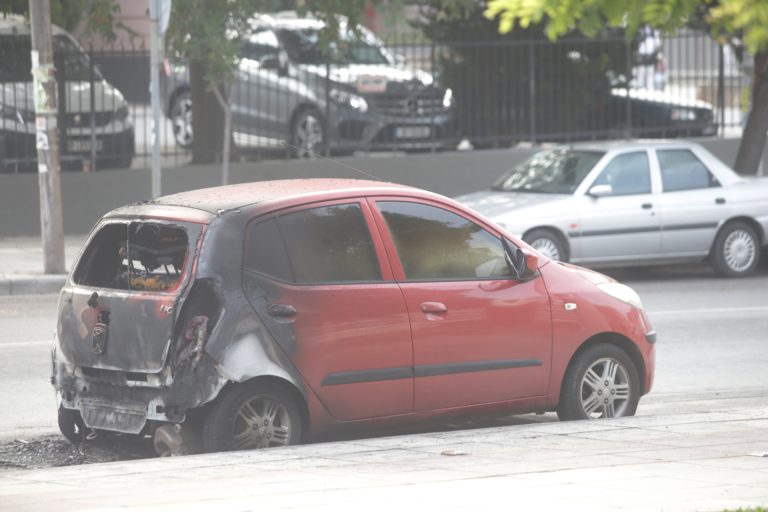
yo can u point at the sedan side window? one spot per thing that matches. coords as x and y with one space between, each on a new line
681 170
261 46
627 174
434 243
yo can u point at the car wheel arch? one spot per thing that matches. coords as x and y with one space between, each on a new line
562 237
610 338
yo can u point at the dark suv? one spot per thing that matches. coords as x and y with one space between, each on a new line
355 96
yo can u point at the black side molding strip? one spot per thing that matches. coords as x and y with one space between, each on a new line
378 374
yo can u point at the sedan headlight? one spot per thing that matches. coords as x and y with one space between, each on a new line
623 293
348 99
448 98
683 114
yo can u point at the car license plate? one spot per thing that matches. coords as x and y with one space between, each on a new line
412 132
82 145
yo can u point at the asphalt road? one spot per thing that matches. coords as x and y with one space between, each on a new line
712 348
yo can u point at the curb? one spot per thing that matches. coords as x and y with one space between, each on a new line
31 284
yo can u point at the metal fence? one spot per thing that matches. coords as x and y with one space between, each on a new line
290 99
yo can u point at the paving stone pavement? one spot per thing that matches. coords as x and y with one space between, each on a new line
708 461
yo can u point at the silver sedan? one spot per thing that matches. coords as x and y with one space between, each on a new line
632 203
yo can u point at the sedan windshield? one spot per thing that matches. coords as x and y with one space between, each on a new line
555 171
304 47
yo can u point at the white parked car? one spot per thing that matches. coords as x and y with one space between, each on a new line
632 203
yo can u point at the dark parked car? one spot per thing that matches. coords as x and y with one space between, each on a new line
94 115
264 314
359 96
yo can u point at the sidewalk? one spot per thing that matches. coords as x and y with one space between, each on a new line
21 265
697 462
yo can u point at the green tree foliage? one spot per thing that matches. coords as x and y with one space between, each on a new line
746 20
101 16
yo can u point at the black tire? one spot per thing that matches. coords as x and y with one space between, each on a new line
580 400
547 243
736 251
181 119
224 421
308 137
71 425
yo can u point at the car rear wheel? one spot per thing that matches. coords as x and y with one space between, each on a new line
547 243
258 415
736 252
181 119
601 382
308 134
71 425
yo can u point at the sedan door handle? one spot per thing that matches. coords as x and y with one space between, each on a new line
281 310
646 206
720 200
433 307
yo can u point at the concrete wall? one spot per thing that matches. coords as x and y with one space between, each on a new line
88 196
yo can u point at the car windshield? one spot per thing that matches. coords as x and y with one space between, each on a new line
555 171
303 46
16 61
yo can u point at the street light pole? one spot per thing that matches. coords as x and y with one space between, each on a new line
47 138
154 60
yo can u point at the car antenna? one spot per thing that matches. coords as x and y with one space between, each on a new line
323 157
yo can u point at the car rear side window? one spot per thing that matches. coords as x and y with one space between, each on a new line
140 256
681 170
329 244
434 243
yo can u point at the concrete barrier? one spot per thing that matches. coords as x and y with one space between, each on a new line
88 196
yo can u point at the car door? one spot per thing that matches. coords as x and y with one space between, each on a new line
321 285
620 222
692 203
479 336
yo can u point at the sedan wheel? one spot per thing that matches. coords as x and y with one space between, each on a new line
308 136
181 118
252 416
736 251
601 382
547 243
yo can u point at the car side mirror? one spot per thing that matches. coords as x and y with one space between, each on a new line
600 191
517 260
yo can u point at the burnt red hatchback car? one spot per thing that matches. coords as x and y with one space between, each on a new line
269 313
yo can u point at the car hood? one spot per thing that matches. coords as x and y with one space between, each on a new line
106 98
660 97
496 204
350 74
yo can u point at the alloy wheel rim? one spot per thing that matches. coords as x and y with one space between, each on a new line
182 122
605 389
309 136
261 422
739 250
546 247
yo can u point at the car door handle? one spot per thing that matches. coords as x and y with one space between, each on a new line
281 310
646 206
720 200
433 307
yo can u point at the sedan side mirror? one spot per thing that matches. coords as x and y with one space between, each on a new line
517 261
600 191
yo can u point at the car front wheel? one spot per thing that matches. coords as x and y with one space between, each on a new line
601 382
736 251
547 243
258 415
308 135
181 119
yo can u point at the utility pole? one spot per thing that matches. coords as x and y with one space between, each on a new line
154 63
47 138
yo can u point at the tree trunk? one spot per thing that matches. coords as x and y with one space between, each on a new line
206 117
223 99
753 138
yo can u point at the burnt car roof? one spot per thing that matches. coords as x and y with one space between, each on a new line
216 200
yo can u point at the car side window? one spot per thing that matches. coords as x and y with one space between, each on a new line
433 243
330 244
628 173
682 170
260 45
265 251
